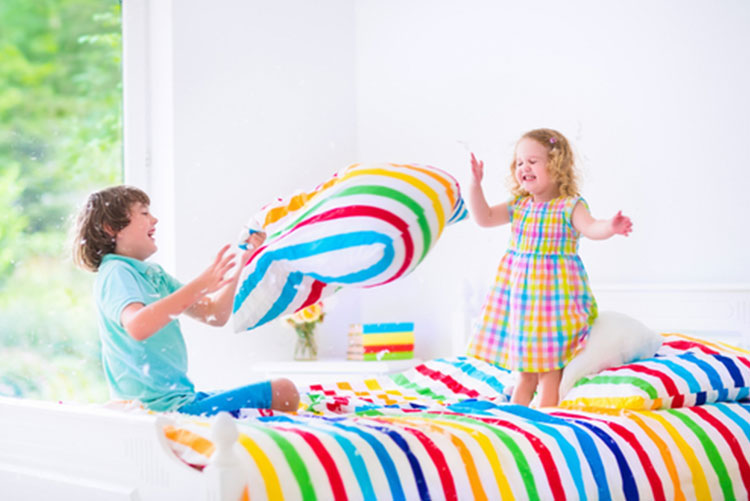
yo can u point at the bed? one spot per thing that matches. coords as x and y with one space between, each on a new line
673 427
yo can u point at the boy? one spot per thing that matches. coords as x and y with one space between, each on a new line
143 350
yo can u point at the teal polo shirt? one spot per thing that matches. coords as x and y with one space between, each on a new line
154 370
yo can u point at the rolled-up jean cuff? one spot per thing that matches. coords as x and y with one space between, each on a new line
252 396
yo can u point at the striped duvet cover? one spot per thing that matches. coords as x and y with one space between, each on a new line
493 452
444 430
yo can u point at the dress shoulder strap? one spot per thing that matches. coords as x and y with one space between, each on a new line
514 203
569 205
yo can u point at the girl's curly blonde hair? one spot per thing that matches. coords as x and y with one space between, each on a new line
105 211
560 165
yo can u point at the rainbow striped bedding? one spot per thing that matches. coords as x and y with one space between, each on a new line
368 225
685 371
444 430
492 451
432 385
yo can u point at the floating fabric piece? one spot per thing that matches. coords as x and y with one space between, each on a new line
367 225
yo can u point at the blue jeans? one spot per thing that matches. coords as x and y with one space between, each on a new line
255 396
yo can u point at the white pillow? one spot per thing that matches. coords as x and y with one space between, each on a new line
615 339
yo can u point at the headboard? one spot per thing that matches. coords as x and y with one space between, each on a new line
719 312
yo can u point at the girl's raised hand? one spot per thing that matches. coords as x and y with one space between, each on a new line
621 225
477 169
213 278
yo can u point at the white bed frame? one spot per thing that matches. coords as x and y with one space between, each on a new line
70 452
82 453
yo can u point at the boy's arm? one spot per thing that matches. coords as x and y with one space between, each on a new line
142 322
599 229
480 210
216 310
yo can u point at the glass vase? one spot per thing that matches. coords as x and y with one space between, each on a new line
306 347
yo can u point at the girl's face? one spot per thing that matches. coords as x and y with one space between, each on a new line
531 170
136 240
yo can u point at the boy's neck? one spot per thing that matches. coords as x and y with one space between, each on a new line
129 256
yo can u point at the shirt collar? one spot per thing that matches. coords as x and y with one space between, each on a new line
141 266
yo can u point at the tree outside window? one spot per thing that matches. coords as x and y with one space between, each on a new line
60 138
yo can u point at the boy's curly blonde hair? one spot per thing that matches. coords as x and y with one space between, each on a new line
105 211
561 163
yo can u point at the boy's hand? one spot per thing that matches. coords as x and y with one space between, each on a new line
477 169
252 242
213 278
621 225
255 240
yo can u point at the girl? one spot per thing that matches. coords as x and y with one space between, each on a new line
538 313
143 351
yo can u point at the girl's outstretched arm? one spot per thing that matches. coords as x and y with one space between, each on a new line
600 229
480 210
142 322
216 310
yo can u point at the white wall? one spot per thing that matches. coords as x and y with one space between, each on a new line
275 96
652 94
261 105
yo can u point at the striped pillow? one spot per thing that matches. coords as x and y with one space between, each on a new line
367 225
686 371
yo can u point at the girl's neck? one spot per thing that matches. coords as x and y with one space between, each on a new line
545 196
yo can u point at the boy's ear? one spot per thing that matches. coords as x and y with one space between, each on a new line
108 230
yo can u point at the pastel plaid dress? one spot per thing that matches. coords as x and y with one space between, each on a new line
540 309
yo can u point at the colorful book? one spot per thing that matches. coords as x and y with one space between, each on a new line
386 341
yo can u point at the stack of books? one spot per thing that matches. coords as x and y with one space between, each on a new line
392 341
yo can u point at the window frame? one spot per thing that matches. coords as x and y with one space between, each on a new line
148 112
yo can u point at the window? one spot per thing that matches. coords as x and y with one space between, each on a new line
60 138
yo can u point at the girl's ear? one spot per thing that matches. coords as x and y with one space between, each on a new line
108 230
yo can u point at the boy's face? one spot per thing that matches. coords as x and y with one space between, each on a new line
136 240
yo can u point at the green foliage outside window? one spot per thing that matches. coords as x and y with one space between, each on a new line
60 138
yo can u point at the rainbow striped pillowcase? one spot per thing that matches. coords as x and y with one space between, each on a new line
367 225
686 371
